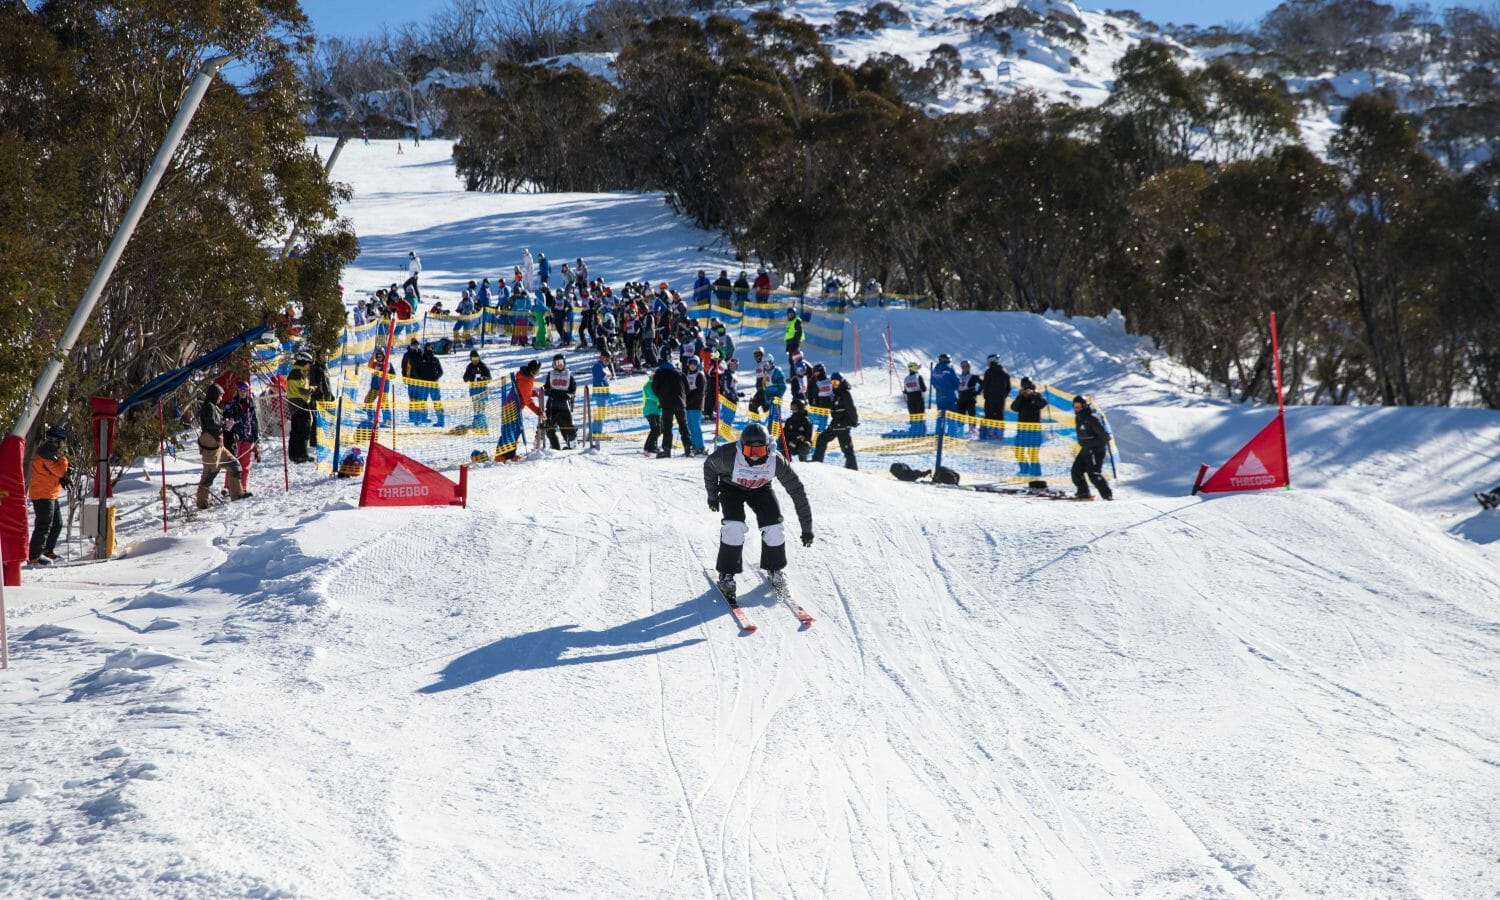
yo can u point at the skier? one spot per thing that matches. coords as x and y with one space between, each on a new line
914 388
413 269
996 393
1028 407
842 416
560 390
49 472
477 374
697 385
758 399
1093 442
969 385
797 432
738 475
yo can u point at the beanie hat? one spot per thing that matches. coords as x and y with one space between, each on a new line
1028 384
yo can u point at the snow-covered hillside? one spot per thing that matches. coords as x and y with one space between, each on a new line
1267 695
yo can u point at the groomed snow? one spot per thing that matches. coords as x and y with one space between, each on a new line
1279 694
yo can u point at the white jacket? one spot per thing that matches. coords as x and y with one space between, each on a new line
414 265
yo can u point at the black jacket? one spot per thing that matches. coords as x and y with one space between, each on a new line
718 469
411 363
429 368
1091 433
477 371
671 390
996 390
842 414
1028 406
797 428
696 383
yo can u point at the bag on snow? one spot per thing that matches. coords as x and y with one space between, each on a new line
944 475
903 472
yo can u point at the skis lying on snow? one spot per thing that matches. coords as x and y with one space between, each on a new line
1035 493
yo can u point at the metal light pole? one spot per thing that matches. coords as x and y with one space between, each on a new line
12 449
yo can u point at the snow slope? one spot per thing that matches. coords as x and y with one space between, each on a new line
1279 694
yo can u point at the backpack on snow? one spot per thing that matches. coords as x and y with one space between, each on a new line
903 472
944 475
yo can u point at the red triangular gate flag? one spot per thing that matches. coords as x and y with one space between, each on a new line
392 479
1258 465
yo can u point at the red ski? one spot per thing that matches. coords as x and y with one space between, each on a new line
726 587
783 592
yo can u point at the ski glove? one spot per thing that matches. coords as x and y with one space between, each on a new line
713 504
807 538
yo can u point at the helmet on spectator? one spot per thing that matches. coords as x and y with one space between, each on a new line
913 367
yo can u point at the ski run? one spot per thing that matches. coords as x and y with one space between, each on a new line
1280 694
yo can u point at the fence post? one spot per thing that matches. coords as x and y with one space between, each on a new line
338 422
942 425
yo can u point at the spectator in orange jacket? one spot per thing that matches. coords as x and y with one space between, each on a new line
49 469
526 386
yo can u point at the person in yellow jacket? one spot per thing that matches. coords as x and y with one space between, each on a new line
49 471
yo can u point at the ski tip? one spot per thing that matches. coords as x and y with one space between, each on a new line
748 629
807 623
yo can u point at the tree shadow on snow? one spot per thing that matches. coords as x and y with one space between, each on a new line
565 645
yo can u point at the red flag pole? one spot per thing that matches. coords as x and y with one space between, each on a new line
161 418
1280 404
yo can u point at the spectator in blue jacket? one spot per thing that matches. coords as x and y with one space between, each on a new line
702 289
604 372
945 383
543 268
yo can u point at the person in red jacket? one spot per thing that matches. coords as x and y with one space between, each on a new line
526 386
49 470
762 285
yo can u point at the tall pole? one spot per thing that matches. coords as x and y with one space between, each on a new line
1286 460
48 378
13 455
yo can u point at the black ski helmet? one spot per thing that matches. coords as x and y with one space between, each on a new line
755 435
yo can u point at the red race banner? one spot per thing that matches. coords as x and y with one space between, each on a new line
392 479
1258 465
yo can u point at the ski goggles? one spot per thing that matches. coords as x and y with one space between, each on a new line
755 451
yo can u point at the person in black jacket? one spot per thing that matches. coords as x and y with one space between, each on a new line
797 431
1093 443
842 416
431 369
1028 407
322 392
477 376
969 386
416 395
738 475
723 288
697 386
671 393
560 388
741 291
996 392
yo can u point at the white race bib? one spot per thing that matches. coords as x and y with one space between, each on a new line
753 476
913 383
558 381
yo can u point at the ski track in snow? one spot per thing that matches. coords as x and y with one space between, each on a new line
1272 695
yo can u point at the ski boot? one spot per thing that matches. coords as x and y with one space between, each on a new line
725 584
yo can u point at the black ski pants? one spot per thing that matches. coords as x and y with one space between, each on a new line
559 417
1090 462
669 416
732 532
301 434
48 527
846 446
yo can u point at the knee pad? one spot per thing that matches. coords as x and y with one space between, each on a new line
773 535
733 533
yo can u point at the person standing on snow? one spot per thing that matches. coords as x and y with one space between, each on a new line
211 446
561 387
413 269
477 375
945 384
697 385
243 434
702 290
741 291
842 416
793 332
1028 407
49 472
723 288
797 432
758 399
671 393
996 394
914 389
1093 443
299 395
738 475
969 385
